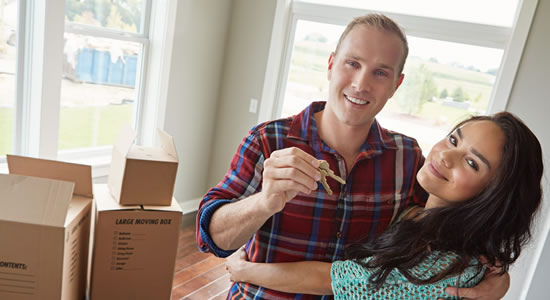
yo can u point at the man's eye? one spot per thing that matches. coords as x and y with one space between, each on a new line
380 73
472 164
353 64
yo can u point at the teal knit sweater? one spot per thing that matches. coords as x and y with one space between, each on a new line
351 280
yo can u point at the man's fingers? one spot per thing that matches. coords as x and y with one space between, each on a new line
285 176
304 165
464 293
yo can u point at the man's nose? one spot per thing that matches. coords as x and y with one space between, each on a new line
361 81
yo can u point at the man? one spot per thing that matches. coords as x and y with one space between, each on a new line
270 198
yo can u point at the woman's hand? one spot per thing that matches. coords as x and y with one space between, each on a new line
236 264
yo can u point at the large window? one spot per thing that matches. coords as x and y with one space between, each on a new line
73 72
103 51
454 68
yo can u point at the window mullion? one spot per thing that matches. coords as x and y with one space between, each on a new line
41 93
104 33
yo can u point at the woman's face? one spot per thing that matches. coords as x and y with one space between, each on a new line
462 165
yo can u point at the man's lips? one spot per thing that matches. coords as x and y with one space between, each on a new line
434 169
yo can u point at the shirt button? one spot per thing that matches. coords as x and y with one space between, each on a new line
339 234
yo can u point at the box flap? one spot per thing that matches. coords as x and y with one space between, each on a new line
34 200
150 154
125 139
173 207
105 201
167 143
80 175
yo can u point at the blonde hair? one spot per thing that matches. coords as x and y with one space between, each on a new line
382 23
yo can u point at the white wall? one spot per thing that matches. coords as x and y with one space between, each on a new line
193 90
246 58
530 100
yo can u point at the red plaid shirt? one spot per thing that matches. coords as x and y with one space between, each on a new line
316 226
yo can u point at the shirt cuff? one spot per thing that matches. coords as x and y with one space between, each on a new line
204 223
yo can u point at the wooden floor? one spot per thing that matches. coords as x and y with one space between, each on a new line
197 275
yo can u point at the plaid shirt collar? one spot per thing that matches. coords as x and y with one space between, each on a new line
304 127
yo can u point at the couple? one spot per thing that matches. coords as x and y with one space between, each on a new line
483 182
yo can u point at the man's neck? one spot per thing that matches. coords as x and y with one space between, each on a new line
346 140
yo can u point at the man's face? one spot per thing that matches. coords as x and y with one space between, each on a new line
363 75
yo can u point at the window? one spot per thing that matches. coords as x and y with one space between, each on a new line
457 64
78 71
8 55
103 56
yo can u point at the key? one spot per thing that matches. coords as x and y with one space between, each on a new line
324 181
324 166
325 171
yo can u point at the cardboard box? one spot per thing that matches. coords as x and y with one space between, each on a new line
44 229
143 175
135 249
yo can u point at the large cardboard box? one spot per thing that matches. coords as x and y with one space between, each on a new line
143 175
44 229
134 249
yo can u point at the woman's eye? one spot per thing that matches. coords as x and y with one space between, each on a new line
452 140
472 164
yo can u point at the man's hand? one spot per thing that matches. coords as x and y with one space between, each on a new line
235 265
493 286
286 173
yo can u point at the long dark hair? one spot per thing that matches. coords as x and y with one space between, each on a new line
495 224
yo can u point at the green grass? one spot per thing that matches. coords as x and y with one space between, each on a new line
80 127
309 68
92 126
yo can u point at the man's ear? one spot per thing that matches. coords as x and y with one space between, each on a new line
399 80
398 83
330 64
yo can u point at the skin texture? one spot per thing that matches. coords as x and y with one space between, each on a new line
362 72
460 166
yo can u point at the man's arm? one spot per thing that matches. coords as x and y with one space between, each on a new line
285 173
304 277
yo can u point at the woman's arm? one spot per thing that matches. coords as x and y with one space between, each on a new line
304 277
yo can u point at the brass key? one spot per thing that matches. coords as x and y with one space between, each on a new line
325 171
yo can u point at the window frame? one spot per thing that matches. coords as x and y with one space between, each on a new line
41 28
288 12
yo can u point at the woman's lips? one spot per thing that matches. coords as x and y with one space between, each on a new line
433 168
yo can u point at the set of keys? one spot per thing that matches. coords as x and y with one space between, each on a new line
326 171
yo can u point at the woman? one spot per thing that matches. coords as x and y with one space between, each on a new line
484 185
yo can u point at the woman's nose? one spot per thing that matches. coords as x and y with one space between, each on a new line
446 158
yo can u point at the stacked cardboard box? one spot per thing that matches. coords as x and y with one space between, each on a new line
44 228
137 223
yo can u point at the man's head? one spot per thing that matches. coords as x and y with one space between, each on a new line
381 23
364 72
